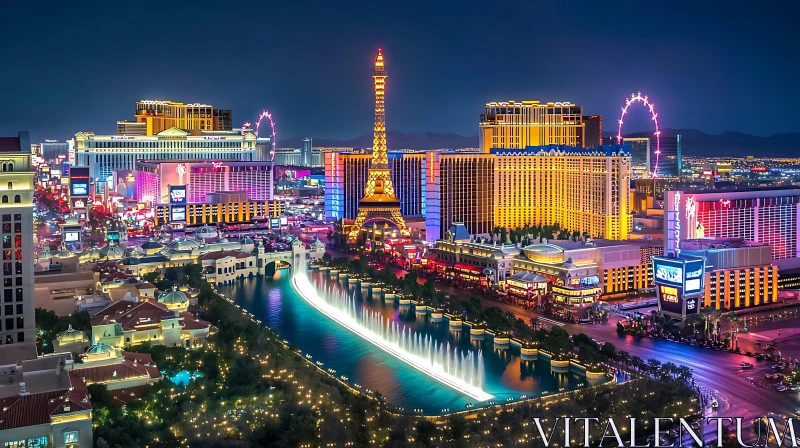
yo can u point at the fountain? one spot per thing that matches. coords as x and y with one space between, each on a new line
457 370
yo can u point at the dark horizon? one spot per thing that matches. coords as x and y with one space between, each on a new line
82 68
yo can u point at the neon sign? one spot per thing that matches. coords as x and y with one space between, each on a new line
217 164
181 169
677 222
725 202
669 294
691 207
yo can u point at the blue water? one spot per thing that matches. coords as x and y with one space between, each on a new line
277 305
184 377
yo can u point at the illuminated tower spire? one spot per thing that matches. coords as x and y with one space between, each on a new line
379 156
379 202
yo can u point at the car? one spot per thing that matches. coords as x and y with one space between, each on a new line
672 433
746 365
695 426
777 367
781 388
794 387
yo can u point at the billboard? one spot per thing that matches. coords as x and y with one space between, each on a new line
668 271
274 223
71 236
694 274
177 213
125 183
692 305
670 299
177 194
79 181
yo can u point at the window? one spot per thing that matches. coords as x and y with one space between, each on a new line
70 437
11 185
5 199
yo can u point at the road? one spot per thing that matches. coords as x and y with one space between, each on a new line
714 370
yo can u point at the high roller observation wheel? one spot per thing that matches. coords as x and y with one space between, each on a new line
266 114
638 98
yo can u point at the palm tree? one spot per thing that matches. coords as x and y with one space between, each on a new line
653 365
637 363
623 357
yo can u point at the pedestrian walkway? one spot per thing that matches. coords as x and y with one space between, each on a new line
550 321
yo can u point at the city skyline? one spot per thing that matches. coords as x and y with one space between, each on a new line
450 60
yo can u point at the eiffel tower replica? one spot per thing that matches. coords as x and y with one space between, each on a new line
379 202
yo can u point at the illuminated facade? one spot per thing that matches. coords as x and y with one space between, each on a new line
760 215
17 328
162 115
517 125
346 177
229 211
380 201
459 187
584 190
153 178
739 274
104 154
579 272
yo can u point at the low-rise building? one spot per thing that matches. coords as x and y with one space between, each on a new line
128 323
463 257
581 272
42 405
221 268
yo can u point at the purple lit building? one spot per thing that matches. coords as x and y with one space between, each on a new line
154 177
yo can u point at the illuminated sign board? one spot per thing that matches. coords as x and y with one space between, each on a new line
112 237
708 173
72 236
274 223
692 305
79 189
79 181
284 221
177 194
758 169
177 213
695 273
669 299
669 271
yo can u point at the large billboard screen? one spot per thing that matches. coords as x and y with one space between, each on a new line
177 213
668 271
79 181
669 298
694 275
692 305
177 194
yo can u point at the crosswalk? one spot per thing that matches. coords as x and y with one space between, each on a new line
551 321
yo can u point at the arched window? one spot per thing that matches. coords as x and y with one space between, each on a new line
10 185
17 199
5 199
4 167
10 167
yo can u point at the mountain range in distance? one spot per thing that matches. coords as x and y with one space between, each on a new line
693 142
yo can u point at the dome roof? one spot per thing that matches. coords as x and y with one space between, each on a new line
317 244
184 244
63 254
70 334
99 348
130 261
45 253
112 252
206 232
152 244
173 296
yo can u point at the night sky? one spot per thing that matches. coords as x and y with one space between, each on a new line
714 66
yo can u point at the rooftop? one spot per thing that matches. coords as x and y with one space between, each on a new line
560 150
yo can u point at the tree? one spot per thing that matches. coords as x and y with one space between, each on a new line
558 342
425 430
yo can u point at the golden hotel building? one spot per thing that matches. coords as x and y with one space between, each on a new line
517 125
154 116
584 190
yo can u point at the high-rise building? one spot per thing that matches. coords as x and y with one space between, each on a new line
640 156
380 201
104 154
459 187
159 116
593 131
670 161
52 150
517 125
584 190
759 215
306 151
17 326
346 176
